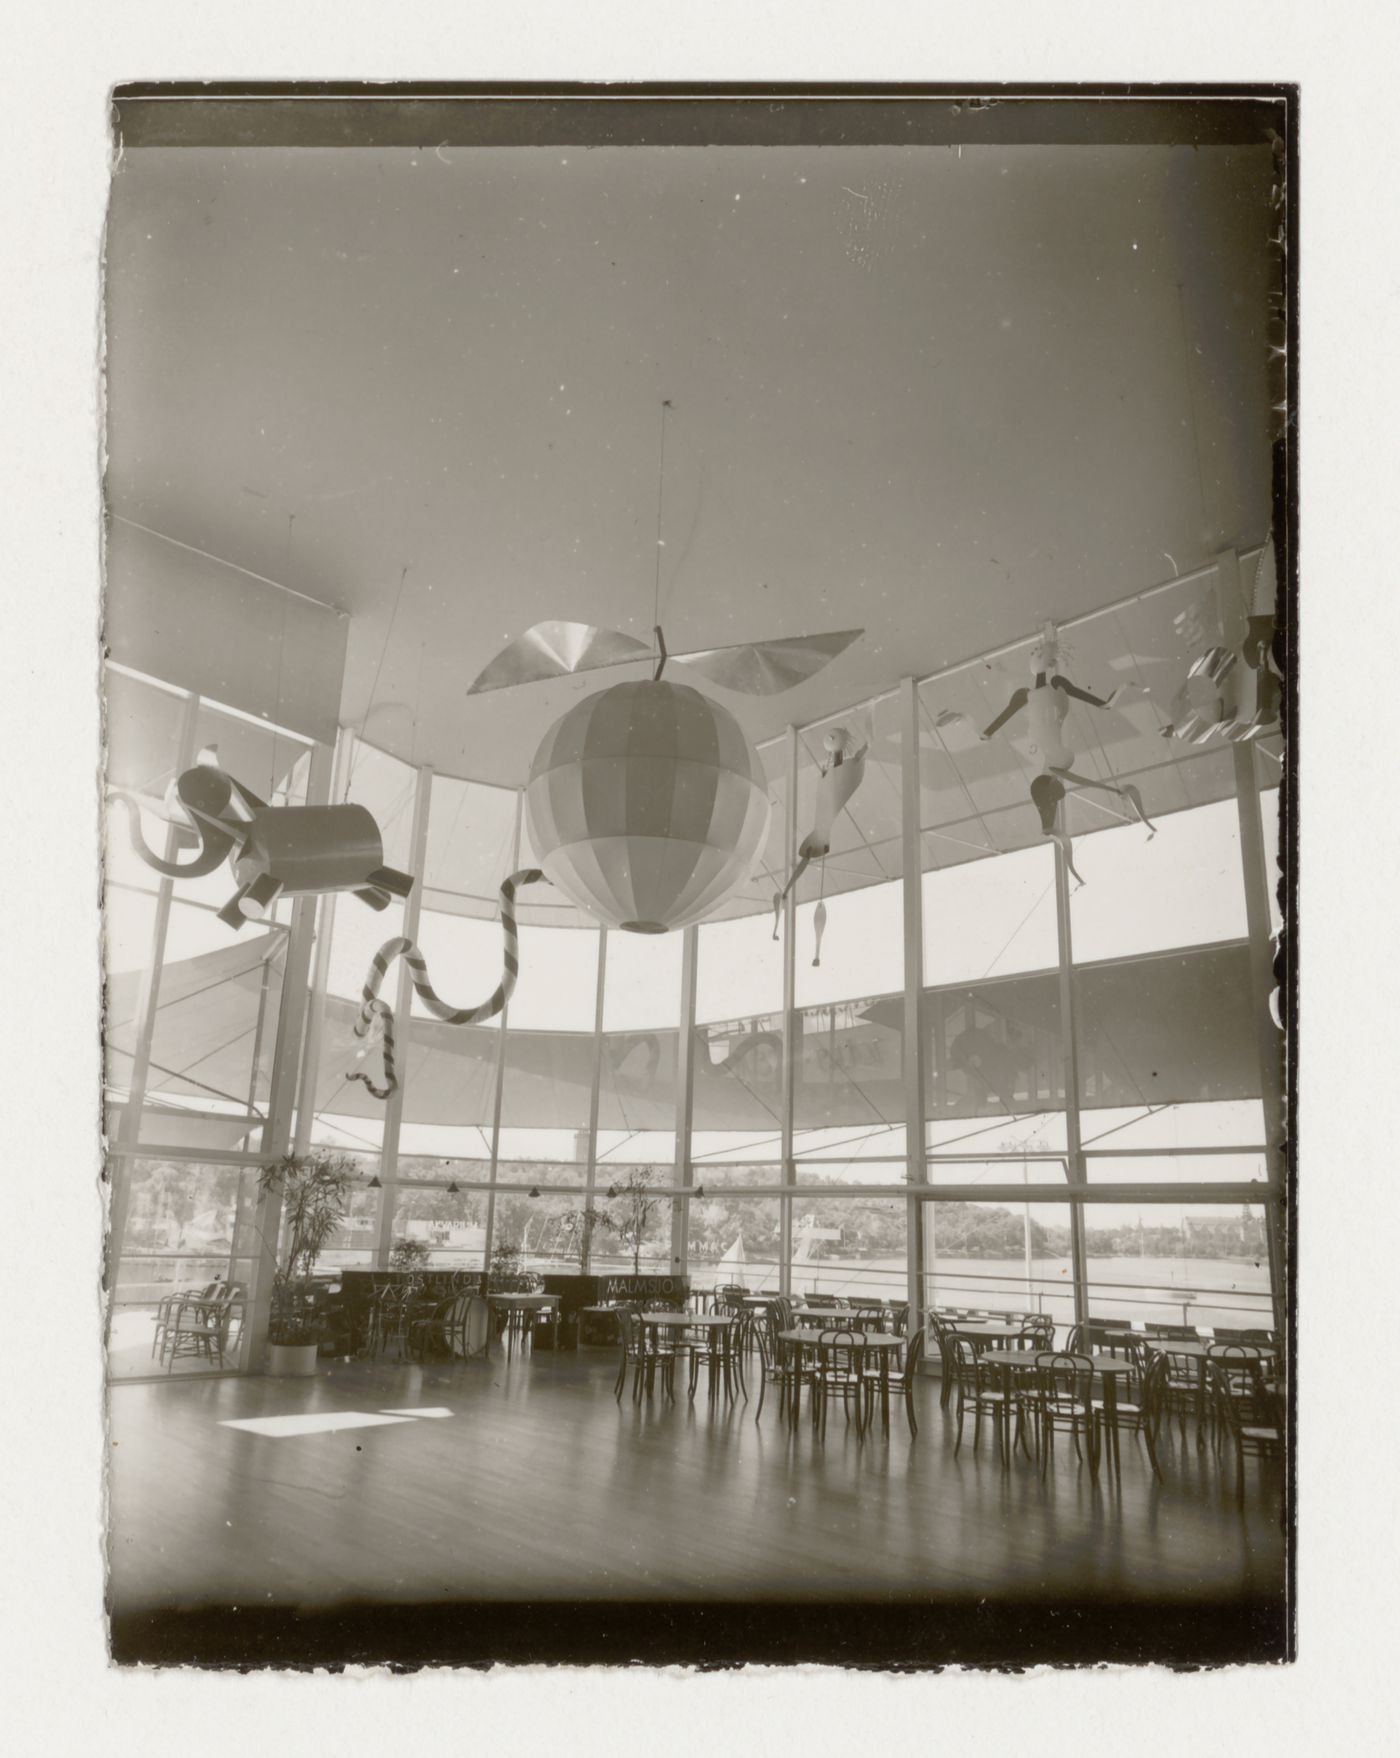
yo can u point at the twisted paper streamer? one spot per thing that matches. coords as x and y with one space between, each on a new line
372 1008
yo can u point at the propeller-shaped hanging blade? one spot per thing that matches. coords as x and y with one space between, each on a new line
557 650
766 668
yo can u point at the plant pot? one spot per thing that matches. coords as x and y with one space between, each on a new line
292 1360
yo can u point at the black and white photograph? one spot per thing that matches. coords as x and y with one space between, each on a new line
698 747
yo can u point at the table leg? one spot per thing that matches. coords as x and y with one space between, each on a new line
1200 1404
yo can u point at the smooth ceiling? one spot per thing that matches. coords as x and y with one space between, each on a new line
941 393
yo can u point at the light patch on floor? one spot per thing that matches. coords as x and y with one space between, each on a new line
325 1423
435 1410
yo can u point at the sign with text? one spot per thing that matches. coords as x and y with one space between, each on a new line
641 1287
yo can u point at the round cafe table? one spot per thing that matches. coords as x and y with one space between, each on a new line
1109 1369
987 1331
878 1343
515 1307
676 1324
1199 1352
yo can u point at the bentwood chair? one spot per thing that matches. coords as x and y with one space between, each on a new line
644 1356
170 1304
894 1380
980 1384
715 1348
1061 1398
1253 1422
947 1362
1134 1409
1180 1392
202 1327
840 1370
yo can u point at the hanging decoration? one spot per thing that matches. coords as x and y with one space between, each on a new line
1046 703
646 804
840 776
273 851
372 1008
1233 687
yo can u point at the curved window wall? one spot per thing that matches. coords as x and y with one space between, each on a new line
996 1088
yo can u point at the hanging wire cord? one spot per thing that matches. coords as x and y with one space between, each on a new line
660 506
374 687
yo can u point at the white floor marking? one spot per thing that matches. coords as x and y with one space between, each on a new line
435 1410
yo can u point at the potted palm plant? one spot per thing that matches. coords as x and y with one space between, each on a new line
315 1191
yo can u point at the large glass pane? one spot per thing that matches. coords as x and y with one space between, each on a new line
642 989
990 918
385 787
1182 887
355 1242
471 834
1000 1257
215 1024
733 1240
181 1225
630 1228
142 729
637 1077
738 1091
549 1055
1029 1168
1108 1168
848 1098
836 1169
549 1230
1224 1123
850 1246
1170 1037
993 1051
451 1224
1172 1264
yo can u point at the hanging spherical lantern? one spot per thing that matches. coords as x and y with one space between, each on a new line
646 805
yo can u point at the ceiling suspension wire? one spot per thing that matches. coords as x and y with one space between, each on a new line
660 508
281 655
374 687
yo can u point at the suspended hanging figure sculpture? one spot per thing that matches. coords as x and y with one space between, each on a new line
1047 706
372 1008
1234 686
274 851
840 776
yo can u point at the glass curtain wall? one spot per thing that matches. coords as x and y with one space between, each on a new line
1082 1124
191 1025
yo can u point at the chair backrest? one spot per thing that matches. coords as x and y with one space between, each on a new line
914 1354
841 1352
1240 1395
1065 1379
963 1357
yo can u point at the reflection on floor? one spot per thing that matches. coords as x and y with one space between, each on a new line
532 1484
